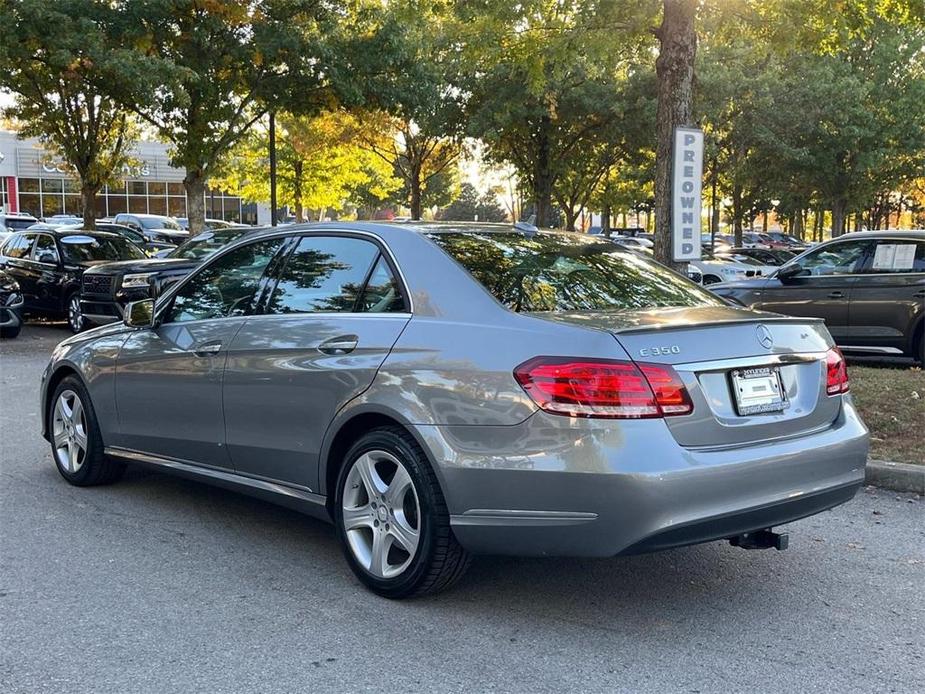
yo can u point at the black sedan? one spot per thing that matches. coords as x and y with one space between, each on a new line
10 306
108 288
48 265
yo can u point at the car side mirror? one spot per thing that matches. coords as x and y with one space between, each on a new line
790 271
139 314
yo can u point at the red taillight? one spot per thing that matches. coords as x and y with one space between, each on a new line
603 388
836 372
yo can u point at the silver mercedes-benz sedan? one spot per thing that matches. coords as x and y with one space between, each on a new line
443 390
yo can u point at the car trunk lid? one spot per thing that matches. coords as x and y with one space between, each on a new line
705 345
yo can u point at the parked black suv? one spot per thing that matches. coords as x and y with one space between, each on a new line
869 286
48 266
10 306
106 289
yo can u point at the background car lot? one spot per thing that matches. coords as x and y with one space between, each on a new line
162 584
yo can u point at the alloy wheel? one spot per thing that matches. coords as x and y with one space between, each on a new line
69 432
381 514
75 318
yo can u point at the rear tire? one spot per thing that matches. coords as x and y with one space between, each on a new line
396 537
10 332
76 442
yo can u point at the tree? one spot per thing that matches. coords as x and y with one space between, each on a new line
560 79
674 68
207 71
55 100
470 206
321 164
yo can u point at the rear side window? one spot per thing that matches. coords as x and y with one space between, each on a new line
558 272
897 256
327 274
19 246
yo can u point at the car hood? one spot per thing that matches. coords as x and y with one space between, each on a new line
147 265
659 318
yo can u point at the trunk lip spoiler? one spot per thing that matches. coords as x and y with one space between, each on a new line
706 323
782 358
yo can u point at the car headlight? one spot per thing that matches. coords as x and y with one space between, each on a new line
139 280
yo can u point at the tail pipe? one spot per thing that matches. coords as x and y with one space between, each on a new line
761 539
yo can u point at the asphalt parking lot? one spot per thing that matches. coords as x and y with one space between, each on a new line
158 584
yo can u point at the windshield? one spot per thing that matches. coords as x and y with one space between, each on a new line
160 223
81 248
557 272
205 244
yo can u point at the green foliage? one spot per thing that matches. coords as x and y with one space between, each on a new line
52 82
470 206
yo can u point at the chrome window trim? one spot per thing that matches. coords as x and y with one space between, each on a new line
167 297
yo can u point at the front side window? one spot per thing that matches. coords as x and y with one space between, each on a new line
834 259
325 274
897 256
559 272
225 288
160 223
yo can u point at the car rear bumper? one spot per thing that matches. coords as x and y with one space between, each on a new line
586 488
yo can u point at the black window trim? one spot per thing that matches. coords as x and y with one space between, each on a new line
383 252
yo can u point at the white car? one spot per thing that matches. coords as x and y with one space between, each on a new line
715 270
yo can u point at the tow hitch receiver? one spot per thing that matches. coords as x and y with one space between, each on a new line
761 539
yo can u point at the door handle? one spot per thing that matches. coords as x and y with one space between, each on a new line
835 295
344 344
207 349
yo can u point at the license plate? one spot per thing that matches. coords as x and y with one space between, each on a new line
758 391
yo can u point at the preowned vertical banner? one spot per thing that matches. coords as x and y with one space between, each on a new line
686 184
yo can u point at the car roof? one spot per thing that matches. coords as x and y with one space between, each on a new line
918 234
144 215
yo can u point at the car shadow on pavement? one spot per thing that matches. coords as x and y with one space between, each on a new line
649 588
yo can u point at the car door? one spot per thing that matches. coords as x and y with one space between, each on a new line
329 322
823 287
169 378
18 263
46 265
888 298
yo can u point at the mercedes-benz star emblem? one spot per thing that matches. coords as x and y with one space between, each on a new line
765 338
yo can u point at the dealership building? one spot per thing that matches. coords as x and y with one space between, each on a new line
32 180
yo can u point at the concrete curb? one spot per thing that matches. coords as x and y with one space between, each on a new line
900 477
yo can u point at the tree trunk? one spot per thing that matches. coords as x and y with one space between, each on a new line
838 216
297 168
858 221
714 207
88 200
764 222
415 185
674 68
570 216
195 185
737 214
605 221
542 176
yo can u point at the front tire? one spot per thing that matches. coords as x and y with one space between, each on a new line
392 518
76 442
75 317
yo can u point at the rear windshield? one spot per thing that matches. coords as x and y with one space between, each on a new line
160 223
82 248
558 272
18 224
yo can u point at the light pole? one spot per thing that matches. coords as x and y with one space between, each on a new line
272 168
